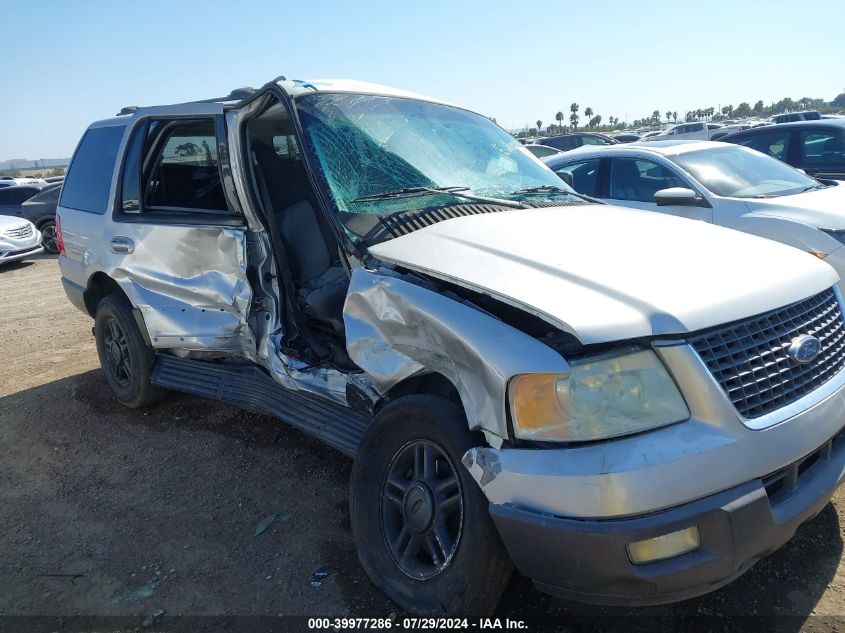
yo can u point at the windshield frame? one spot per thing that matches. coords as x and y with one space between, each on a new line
321 185
677 160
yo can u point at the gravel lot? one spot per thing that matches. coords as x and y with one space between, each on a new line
114 512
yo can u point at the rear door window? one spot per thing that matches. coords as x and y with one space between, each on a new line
773 143
821 148
638 180
88 181
183 173
583 175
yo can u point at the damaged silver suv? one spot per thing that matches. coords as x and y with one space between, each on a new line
631 408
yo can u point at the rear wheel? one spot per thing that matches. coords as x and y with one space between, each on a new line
421 524
49 238
125 359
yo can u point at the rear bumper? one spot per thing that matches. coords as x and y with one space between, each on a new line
587 561
75 293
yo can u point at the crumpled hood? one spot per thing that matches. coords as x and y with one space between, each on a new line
822 208
606 273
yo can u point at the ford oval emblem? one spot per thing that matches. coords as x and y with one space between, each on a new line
804 349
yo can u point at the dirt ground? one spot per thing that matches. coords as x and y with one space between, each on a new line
106 511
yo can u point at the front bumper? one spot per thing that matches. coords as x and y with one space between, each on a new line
17 255
13 249
587 560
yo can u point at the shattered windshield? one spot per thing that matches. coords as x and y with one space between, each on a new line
368 146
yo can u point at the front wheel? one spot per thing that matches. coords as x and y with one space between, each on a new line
125 359
49 238
421 524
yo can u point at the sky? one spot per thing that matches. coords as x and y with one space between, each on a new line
67 63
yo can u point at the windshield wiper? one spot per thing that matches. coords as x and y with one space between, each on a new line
553 189
410 192
542 189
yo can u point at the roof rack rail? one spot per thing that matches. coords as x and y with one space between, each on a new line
127 110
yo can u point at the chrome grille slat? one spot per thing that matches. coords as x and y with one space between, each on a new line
19 232
749 358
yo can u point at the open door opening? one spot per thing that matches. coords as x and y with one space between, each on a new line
312 277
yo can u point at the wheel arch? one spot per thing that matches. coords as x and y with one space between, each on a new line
100 286
430 383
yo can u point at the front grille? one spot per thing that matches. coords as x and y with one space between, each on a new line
749 358
19 232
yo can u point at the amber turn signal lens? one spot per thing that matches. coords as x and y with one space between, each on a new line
533 396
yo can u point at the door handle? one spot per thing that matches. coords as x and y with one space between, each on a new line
123 245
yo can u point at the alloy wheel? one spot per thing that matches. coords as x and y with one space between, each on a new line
116 352
422 509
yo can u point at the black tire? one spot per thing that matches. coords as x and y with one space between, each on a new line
467 579
124 357
48 237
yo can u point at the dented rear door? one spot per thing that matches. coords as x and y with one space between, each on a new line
177 242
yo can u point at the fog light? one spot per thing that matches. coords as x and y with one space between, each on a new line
664 546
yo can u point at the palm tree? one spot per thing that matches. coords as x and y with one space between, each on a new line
668 115
655 117
588 113
675 116
539 125
573 118
559 119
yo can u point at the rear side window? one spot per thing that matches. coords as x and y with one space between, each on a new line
50 195
772 143
582 176
16 195
86 187
563 143
822 148
184 173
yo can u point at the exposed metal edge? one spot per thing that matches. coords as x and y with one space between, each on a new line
251 388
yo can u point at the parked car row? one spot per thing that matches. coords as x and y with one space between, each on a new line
816 147
630 407
34 202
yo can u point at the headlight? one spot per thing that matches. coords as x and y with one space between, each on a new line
601 397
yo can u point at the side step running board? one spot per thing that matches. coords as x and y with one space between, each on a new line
251 388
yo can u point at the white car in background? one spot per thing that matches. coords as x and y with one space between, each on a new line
683 132
8 181
19 239
724 184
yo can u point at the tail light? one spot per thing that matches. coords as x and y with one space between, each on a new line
60 243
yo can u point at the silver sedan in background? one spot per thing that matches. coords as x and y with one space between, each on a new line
724 184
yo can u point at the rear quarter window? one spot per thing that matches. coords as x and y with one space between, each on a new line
86 187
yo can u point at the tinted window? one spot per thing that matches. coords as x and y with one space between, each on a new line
86 186
16 195
184 175
822 148
50 195
583 175
594 140
772 143
561 142
812 116
638 180
130 190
